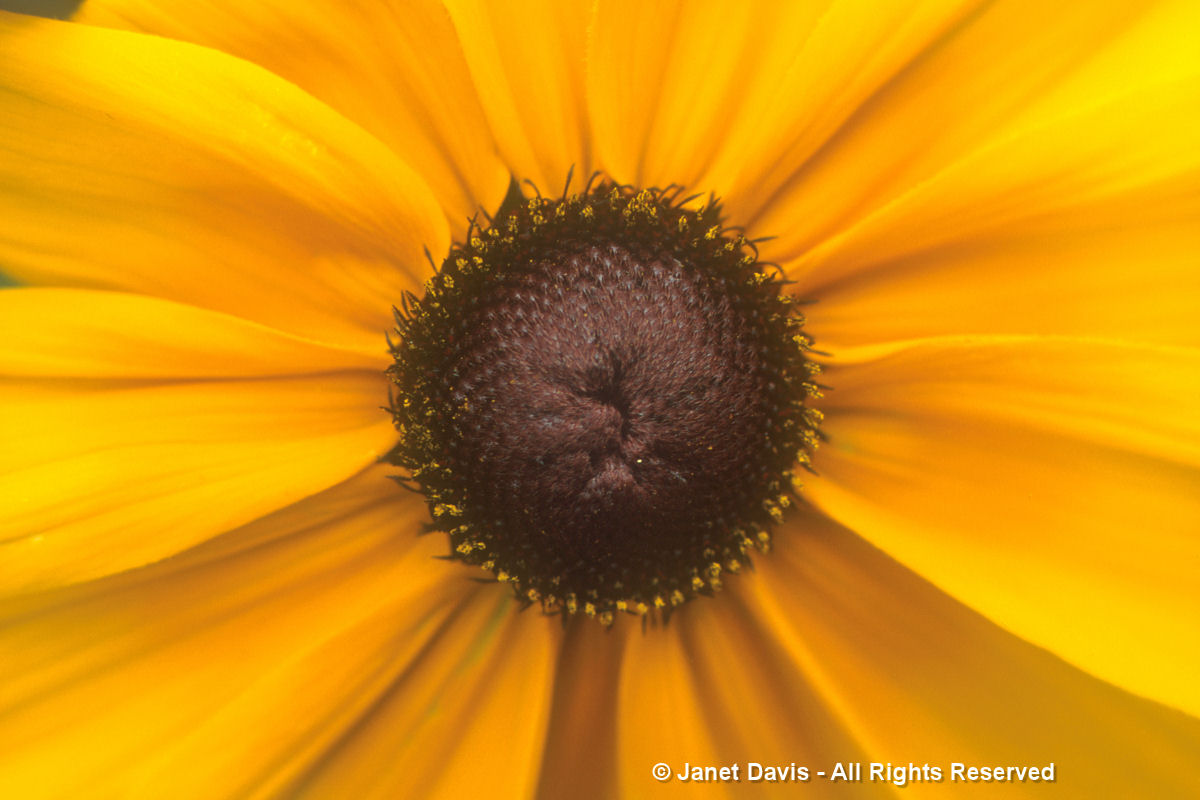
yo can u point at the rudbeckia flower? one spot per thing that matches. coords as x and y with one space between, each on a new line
210 588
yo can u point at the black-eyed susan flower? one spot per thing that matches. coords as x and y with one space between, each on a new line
943 254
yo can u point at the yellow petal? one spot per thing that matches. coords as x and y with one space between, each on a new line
139 163
883 97
699 92
222 674
136 427
1083 226
921 679
714 690
53 333
580 757
1049 484
397 72
668 83
466 717
661 718
527 60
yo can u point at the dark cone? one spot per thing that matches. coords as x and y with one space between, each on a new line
602 398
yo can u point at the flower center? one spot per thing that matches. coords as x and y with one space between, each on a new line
602 398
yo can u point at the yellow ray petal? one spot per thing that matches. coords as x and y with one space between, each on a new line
54 335
527 60
667 83
700 92
883 97
733 697
1084 226
397 71
580 757
139 163
226 674
466 716
661 719
136 427
1049 484
920 678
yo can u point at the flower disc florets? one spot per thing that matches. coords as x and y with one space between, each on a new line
602 398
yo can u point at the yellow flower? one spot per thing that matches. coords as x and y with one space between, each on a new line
208 589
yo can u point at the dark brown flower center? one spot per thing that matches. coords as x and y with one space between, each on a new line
602 398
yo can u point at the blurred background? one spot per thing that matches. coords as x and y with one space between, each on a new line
46 8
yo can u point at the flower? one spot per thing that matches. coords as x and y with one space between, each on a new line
210 591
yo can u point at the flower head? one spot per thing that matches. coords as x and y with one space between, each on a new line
210 588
